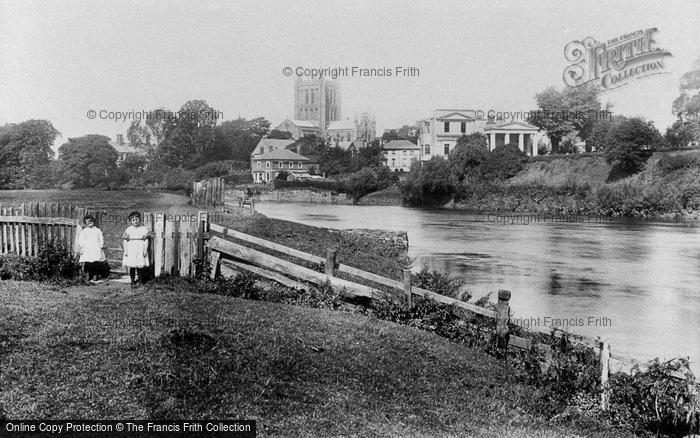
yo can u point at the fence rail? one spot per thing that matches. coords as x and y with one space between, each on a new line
24 228
279 270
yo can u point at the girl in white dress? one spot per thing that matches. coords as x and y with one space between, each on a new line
91 248
136 248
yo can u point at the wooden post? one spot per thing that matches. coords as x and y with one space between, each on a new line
214 258
502 318
604 374
200 240
330 262
407 286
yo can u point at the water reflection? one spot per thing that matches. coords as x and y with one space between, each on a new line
643 276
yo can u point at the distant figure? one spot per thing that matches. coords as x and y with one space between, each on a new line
91 248
136 248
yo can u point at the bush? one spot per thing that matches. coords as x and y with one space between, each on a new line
669 163
362 182
54 261
429 183
212 170
282 175
655 400
504 162
442 283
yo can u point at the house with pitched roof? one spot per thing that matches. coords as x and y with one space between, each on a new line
400 154
125 150
439 134
266 145
267 166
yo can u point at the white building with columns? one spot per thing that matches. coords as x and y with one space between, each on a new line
439 134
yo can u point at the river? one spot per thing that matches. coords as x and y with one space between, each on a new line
634 283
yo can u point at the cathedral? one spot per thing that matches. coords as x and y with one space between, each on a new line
318 111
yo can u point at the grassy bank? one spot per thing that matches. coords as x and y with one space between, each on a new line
668 187
298 371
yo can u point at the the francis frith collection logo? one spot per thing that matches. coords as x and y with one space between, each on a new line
616 62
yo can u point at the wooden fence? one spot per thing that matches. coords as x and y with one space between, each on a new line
25 227
209 193
175 240
280 270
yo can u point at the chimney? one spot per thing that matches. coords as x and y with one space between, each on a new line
120 139
299 149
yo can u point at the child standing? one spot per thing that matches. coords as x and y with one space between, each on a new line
91 248
136 248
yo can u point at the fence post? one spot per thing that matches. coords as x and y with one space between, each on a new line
407 286
502 318
604 374
330 262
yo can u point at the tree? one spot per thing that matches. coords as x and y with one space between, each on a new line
428 183
281 135
682 132
562 112
149 132
25 152
389 135
88 161
632 143
470 154
687 108
601 135
370 155
189 141
236 139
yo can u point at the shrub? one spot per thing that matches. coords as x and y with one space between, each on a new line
212 170
282 175
669 163
656 400
442 283
53 262
504 162
429 183
362 182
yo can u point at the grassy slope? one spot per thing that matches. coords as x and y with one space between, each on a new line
588 170
298 371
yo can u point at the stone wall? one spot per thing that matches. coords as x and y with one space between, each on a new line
320 197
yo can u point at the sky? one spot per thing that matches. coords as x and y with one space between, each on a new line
60 60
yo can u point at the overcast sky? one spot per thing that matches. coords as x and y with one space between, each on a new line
61 59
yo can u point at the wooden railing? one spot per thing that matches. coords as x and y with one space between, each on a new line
24 228
209 193
279 270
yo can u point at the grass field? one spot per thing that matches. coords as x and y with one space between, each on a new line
106 352
111 353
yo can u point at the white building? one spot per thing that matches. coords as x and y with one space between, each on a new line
400 154
439 134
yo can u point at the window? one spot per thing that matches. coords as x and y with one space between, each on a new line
267 164
393 161
427 149
447 126
464 127
258 165
447 149
280 164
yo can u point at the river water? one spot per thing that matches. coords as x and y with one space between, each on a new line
634 283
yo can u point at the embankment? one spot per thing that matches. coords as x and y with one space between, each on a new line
667 187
